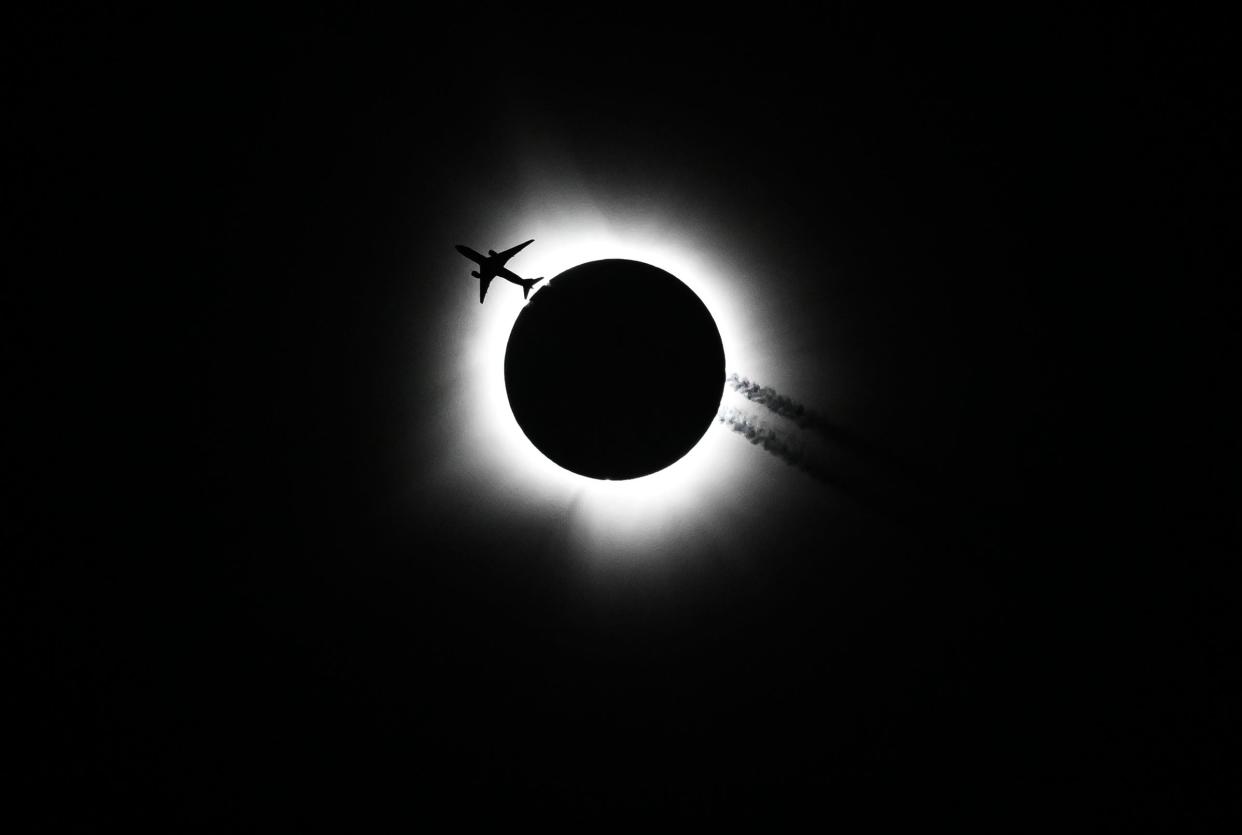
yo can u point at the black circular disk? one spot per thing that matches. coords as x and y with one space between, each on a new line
615 369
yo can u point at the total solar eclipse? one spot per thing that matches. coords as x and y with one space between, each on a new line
615 369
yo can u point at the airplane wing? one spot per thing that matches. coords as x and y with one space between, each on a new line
509 253
484 283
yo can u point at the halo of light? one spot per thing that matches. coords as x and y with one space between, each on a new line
636 522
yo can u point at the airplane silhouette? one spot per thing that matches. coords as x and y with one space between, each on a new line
493 264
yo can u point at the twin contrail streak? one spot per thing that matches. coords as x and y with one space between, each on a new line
789 447
777 403
898 491
761 435
809 419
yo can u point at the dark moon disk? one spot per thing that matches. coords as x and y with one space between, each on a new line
615 369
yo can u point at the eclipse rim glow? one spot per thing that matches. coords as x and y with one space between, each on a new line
615 525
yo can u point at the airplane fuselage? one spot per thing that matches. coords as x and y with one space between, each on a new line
492 265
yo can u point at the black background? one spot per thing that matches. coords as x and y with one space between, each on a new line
214 626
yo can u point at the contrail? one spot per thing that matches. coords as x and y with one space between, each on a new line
758 434
776 443
873 489
805 418
778 403
793 453
900 494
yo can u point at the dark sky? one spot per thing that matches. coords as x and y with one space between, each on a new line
991 249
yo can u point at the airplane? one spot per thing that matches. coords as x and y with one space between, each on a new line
493 264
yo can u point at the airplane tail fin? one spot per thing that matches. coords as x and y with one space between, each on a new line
528 283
